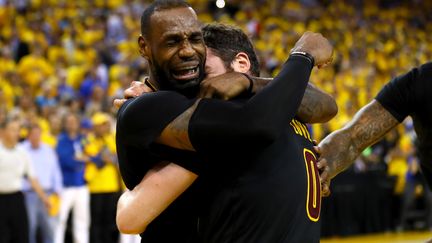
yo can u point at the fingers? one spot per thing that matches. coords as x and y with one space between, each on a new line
201 92
325 64
325 182
318 150
136 89
119 102
207 90
325 189
322 164
130 92
316 45
324 171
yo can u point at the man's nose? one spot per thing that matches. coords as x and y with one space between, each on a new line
186 50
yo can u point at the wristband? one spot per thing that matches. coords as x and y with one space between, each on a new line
304 54
150 85
251 84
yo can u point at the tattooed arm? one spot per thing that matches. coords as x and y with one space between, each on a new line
368 126
176 134
316 106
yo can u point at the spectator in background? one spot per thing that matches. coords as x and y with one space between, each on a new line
35 68
86 126
53 131
64 90
97 102
91 80
44 161
75 194
14 166
103 180
3 101
47 96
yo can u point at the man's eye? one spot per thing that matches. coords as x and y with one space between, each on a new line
196 39
171 42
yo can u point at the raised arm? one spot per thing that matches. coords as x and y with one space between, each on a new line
316 105
368 126
257 121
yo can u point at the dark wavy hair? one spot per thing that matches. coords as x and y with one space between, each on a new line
226 41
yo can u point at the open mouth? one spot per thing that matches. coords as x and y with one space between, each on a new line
186 73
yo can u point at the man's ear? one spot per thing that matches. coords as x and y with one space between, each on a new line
241 63
144 48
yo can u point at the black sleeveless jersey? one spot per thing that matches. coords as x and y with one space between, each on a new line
410 95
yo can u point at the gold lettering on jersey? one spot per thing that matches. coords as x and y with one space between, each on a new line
300 129
313 199
294 126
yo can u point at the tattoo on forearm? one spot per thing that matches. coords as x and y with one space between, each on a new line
368 126
373 122
178 128
309 106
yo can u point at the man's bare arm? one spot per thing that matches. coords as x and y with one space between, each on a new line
176 134
368 126
251 120
316 106
157 190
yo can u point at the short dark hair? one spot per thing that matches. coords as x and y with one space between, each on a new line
158 6
226 41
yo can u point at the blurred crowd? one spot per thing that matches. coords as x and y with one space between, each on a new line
62 62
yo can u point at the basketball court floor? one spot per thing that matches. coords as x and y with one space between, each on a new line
405 237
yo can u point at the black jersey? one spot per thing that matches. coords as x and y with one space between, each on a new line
137 126
270 194
256 124
260 176
410 95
